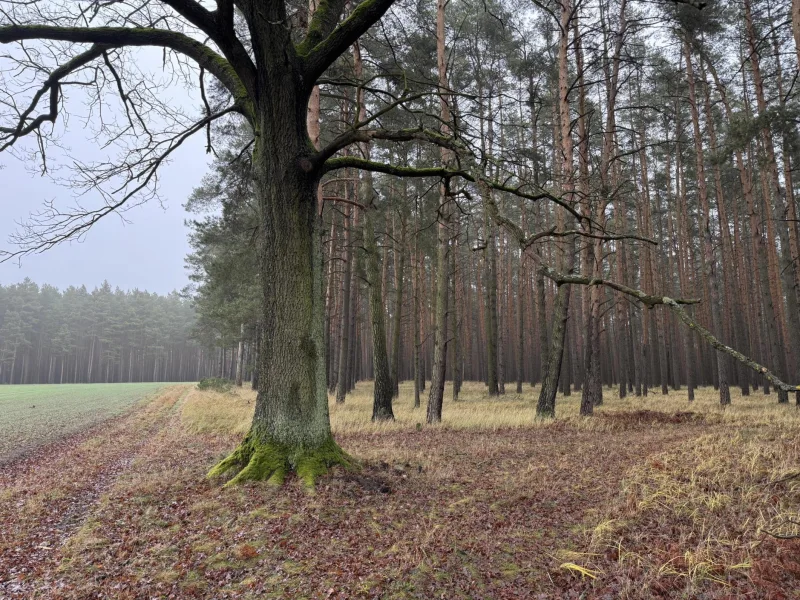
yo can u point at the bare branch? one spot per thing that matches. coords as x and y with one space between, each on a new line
116 37
26 125
52 227
343 162
401 135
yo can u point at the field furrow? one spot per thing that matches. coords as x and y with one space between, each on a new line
48 495
32 415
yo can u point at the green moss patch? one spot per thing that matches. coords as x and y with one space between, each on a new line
264 461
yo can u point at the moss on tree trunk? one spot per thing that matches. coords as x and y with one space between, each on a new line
258 460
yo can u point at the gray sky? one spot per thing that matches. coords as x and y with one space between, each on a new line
146 253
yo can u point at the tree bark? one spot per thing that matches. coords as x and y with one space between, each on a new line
399 278
490 281
291 426
382 396
416 358
546 406
710 262
240 357
520 323
454 319
344 339
566 256
436 395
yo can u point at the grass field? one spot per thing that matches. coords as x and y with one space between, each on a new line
651 498
31 415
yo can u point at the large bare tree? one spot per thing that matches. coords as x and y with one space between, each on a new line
266 61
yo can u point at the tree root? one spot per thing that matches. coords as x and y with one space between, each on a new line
270 462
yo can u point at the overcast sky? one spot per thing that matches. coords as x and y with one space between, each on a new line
147 253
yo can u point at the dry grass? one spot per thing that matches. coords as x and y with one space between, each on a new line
689 522
702 519
231 413
650 498
218 413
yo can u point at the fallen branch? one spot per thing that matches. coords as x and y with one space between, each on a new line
676 305
745 360
784 479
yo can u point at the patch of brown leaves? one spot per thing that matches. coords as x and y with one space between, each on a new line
642 418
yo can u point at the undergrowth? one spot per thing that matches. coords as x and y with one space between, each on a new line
718 514
215 384
232 413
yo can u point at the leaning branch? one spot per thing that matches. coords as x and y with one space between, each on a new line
745 360
676 305
646 299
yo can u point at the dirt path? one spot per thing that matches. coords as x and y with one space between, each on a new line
437 513
46 496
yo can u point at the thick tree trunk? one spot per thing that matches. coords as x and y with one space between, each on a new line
291 427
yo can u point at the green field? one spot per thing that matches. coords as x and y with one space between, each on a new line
32 415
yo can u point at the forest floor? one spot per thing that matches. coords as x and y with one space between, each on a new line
650 498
